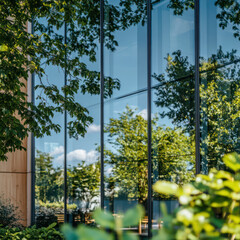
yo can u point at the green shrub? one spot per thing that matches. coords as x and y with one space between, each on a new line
210 207
32 233
57 205
45 217
9 215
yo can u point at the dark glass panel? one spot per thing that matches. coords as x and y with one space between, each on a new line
172 34
125 55
83 172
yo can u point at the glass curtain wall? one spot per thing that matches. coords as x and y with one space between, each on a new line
150 85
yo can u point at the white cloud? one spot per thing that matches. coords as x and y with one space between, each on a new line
143 114
80 155
92 156
57 151
93 128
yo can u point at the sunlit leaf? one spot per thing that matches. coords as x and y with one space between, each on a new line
232 161
165 187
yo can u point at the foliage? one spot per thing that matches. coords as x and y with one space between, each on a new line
209 206
49 180
109 227
84 184
9 215
45 217
31 233
220 105
57 205
127 153
22 53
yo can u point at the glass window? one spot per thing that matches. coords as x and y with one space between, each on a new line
125 111
173 121
49 176
219 87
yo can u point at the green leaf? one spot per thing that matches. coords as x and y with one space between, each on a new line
51 226
104 219
69 232
223 174
163 208
133 216
88 233
185 216
130 236
217 203
232 161
3 48
164 187
235 186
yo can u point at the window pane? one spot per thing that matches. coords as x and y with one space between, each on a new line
173 124
49 182
83 154
125 111
219 88
125 156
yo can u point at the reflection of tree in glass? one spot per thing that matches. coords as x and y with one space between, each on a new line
172 155
220 104
84 182
49 180
84 185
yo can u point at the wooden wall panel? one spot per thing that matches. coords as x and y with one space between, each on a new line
17 161
13 188
15 176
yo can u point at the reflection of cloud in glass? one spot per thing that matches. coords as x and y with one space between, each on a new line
93 128
80 155
57 151
143 114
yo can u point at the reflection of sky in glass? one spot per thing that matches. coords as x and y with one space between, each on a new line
53 143
169 34
128 62
212 36
85 149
